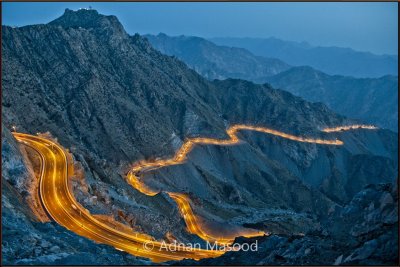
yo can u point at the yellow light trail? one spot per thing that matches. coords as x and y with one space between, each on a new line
63 208
180 156
195 227
349 127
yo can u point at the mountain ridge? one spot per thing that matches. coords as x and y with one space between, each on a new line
112 100
373 100
332 60
216 62
363 98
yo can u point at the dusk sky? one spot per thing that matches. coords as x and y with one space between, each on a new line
361 26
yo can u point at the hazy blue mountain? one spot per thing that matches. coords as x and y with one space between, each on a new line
374 100
112 99
216 62
332 60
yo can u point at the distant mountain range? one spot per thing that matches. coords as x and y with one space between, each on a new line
217 62
112 99
373 100
331 60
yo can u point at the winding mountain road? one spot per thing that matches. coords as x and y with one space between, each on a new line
63 208
183 201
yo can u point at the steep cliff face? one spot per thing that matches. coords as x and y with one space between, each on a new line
113 99
217 62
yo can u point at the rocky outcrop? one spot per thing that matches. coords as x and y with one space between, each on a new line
19 175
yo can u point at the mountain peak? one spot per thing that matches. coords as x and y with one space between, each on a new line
87 18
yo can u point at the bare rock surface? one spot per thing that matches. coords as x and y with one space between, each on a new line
336 243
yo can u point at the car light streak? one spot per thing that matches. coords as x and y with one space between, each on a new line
349 127
63 208
60 206
193 225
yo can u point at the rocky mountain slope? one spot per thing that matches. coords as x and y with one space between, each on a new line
216 62
368 236
331 60
374 100
26 240
112 100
